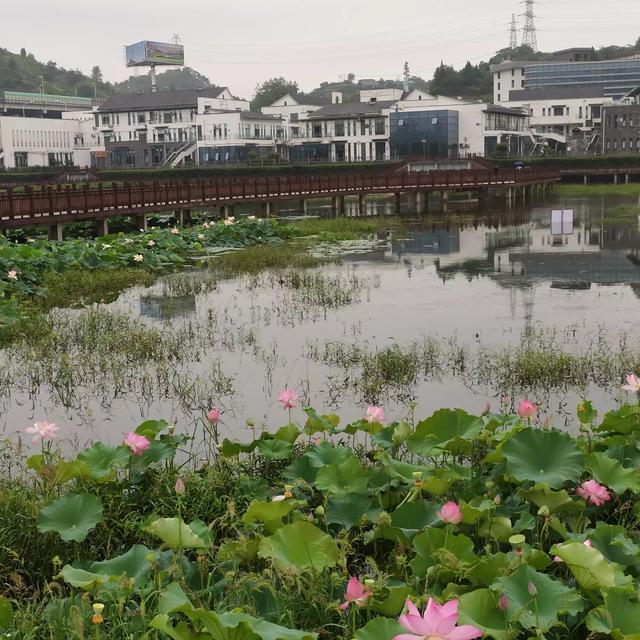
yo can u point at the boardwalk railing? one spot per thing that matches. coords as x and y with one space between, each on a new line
64 203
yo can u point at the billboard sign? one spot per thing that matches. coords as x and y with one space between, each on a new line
147 52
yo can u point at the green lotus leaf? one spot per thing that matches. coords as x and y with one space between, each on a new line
325 454
242 550
275 449
318 424
300 546
72 517
480 609
347 510
549 457
227 626
289 433
380 629
542 610
81 579
431 550
610 472
619 617
176 534
102 459
132 564
589 567
625 420
391 600
157 452
442 428
173 599
412 517
614 544
151 428
343 478
270 513
556 501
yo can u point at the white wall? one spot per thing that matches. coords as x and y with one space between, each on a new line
507 80
37 137
225 102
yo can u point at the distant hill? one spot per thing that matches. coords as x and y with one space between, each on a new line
21 72
181 78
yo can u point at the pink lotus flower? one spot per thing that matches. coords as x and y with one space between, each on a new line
12 275
355 593
437 623
374 415
593 492
450 513
586 543
633 383
43 431
214 414
180 488
288 398
136 443
527 409
503 603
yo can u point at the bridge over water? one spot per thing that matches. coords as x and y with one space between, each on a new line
55 205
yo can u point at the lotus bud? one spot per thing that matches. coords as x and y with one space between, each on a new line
503 603
543 510
171 429
310 516
497 500
319 511
251 422
180 488
369 582
384 519
489 484
531 588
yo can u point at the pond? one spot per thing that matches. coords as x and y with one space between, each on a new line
454 311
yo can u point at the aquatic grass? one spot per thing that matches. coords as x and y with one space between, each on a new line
344 228
596 190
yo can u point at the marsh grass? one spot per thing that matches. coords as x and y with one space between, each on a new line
345 228
595 190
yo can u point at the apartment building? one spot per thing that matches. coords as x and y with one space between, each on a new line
621 126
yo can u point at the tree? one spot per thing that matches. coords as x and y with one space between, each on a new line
351 77
270 90
23 52
96 74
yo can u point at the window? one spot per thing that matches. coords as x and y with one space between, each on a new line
20 158
558 111
106 121
580 113
434 120
380 127
142 117
513 72
498 97
339 129
498 86
498 75
624 144
522 83
513 84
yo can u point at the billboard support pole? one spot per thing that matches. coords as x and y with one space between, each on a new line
152 73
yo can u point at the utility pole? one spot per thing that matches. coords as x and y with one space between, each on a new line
529 38
41 84
513 40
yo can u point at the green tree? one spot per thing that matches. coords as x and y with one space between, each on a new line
96 74
23 52
270 90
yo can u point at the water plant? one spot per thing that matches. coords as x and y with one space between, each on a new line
501 528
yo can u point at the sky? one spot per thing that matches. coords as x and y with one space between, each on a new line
240 43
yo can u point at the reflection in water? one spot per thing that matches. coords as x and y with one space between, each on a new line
471 281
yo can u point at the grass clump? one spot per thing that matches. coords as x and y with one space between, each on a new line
344 228
595 190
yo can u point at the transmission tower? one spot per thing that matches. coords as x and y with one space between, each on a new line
176 38
513 40
529 38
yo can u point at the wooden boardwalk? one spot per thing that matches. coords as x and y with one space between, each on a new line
57 204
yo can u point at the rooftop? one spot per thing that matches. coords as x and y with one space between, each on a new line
557 93
348 109
176 99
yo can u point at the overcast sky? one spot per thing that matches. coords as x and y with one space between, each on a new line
239 43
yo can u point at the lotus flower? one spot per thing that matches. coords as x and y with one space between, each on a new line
633 383
151 243
593 492
137 443
175 231
288 398
355 593
437 623
43 431
450 513
180 488
214 414
12 275
375 415
527 409
138 258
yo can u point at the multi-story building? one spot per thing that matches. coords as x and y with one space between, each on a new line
292 113
621 126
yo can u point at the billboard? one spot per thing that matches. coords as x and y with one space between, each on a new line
147 52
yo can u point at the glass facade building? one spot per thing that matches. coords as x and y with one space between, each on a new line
615 77
433 134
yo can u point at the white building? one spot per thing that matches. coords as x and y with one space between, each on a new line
291 112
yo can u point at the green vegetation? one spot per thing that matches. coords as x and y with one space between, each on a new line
531 532
181 78
596 190
38 274
344 228
21 72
